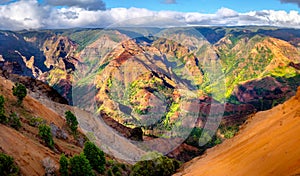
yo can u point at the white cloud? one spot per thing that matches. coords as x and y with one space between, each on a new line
225 12
22 14
28 14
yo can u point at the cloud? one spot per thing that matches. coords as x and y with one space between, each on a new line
85 4
225 12
291 1
22 15
169 2
30 14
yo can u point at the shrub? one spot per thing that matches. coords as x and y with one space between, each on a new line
115 169
123 166
3 118
71 121
110 162
36 121
79 166
19 90
95 156
63 165
45 134
230 131
7 165
109 172
162 166
118 173
14 121
218 141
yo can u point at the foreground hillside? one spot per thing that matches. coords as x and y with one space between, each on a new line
268 144
24 144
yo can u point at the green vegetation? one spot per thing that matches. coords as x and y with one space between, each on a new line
197 137
285 71
173 108
115 169
109 82
36 121
7 166
71 121
19 90
63 165
14 121
45 134
95 156
84 38
162 166
229 131
3 118
79 166
109 172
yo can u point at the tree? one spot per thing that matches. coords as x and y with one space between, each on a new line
3 118
19 90
7 165
159 166
79 166
71 121
14 121
95 156
45 134
64 163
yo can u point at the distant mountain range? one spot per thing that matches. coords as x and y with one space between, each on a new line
137 75
169 82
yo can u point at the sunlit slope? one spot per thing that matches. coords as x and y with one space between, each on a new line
268 144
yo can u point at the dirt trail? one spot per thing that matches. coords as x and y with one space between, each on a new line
269 144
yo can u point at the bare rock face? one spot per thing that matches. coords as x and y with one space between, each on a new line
184 152
298 93
296 66
265 93
57 49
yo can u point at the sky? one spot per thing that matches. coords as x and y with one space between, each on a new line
41 14
204 6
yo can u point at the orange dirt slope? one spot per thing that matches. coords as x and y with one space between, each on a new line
268 144
24 145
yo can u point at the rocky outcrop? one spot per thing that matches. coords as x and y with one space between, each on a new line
38 88
266 93
130 133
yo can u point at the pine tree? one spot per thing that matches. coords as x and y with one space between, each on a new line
7 165
46 135
95 156
19 90
64 164
80 166
3 118
71 121
14 121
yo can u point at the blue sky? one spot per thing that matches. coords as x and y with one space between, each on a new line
204 6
